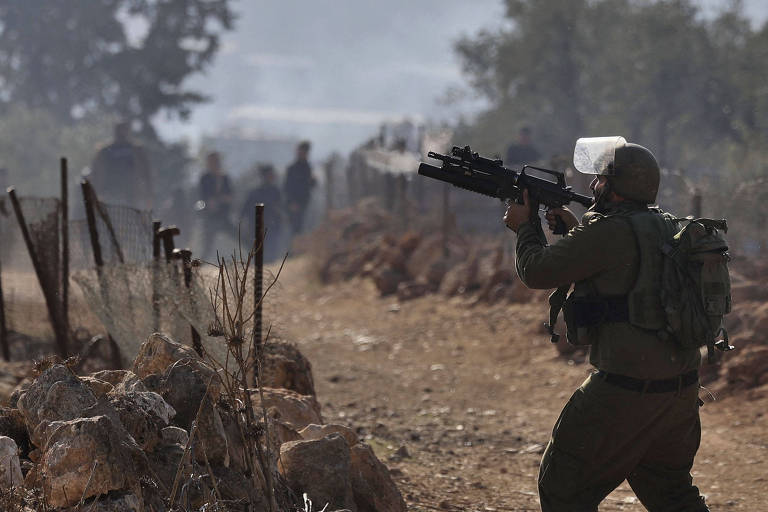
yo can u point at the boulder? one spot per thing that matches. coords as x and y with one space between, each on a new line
374 489
174 435
97 386
10 467
158 353
748 368
286 367
143 414
12 425
460 278
56 395
88 457
314 431
288 406
122 380
320 468
184 385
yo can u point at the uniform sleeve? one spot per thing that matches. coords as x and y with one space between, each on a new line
582 253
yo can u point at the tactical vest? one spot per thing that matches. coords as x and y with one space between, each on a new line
585 310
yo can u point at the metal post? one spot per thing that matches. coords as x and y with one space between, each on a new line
258 280
155 271
50 297
3 326
185 255
64 246
89 200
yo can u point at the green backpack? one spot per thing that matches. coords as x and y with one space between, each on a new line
695 285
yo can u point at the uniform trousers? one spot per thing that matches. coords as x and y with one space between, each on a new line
607 434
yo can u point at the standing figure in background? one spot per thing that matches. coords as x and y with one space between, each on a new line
299 183
267 193
120 172
522 152
215 201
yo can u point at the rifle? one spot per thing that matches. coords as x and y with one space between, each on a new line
468 170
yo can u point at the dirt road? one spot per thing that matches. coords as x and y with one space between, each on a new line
459 400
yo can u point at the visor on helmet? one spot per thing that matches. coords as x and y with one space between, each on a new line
597 155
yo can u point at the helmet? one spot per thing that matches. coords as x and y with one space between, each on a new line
632 170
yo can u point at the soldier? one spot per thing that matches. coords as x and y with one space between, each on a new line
120 172
637 416
299 183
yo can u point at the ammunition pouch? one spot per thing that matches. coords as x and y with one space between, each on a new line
584 314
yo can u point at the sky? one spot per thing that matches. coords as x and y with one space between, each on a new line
332 70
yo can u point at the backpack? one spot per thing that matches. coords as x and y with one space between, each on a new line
695 285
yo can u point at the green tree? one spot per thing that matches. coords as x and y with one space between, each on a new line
76 58
658 72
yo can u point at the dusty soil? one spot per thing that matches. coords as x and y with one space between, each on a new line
460 399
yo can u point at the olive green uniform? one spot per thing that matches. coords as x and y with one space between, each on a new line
606 433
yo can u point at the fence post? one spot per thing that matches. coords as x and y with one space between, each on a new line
48 294
258 283
155 271
89 200
64 246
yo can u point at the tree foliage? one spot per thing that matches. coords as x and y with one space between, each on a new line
75 58
691 87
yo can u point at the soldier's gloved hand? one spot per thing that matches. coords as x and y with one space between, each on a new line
564 213
518 213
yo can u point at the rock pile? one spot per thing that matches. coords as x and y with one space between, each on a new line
362 243
128 440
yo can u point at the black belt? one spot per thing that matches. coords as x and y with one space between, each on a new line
650 386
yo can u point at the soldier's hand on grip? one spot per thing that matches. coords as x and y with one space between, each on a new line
566 215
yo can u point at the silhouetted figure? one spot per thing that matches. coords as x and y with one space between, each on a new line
215 192
522 152
267 193
299 183
120 172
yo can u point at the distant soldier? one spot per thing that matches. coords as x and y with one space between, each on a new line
522 152
267 193
120 172
215 203
299 183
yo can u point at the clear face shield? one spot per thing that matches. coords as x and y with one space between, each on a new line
597 155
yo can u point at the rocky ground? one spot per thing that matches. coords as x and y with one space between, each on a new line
458 397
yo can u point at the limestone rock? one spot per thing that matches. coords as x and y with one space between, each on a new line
286 367
174 435
374 489
56 395
97 386
320 431
411 290
290 407
10 467
158 353
320 468
123 381
184 385
143 414
12 425
86 449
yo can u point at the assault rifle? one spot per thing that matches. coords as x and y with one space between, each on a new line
468 170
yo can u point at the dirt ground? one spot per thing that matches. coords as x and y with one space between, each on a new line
460 399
